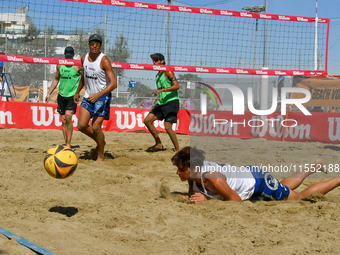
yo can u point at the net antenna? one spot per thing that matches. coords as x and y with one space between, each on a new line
316 37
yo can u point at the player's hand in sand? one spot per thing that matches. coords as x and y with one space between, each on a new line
198 198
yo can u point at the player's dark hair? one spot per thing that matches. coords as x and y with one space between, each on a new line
189 156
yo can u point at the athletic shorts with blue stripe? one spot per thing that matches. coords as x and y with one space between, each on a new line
267 186
99 108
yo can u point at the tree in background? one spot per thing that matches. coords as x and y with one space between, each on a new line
32 44
119 52
31 34
189 77
80 41
189 93
139 93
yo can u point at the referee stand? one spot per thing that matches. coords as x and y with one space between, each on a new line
6 91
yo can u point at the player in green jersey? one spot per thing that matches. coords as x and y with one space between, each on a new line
68 79
168 106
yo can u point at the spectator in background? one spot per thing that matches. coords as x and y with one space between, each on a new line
2 68
189 105
280 84
278 107
146 103
317 109
335 109
130 102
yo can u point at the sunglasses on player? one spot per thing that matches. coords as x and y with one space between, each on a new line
94 43
155 59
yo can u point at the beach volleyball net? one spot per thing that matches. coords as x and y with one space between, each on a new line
196 40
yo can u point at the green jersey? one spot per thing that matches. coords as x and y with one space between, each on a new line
165 97
69 81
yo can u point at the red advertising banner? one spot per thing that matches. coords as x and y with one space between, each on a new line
319 127
45 116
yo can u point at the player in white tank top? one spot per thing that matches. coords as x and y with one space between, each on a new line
242 182
95 78
238 184
99 80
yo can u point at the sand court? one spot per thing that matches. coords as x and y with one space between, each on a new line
132 202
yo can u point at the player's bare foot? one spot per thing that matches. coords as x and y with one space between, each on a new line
156 147
93 154
317 167
320 166
100 158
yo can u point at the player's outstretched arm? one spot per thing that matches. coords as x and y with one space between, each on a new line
218 185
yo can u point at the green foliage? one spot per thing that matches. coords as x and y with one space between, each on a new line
32 44
31 34
119 52
26 74
189 93
189 77
140 92
80 42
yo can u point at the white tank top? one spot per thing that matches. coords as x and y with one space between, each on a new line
95 78
238 179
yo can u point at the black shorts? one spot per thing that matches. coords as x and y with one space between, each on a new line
66 104
167 112
1 69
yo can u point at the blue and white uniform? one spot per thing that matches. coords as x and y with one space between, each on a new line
246 181
96 80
